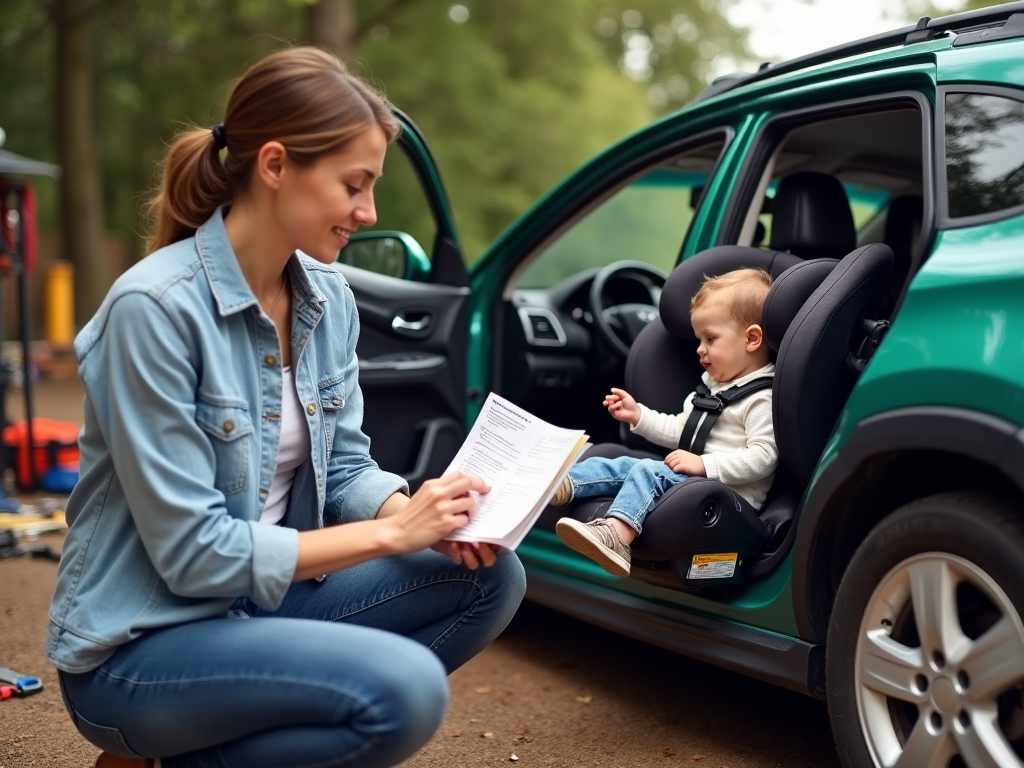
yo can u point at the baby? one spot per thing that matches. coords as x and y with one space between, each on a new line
739 451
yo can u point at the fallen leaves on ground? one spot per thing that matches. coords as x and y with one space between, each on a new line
483 689
486 735
455 733
697 757
584 699
668 753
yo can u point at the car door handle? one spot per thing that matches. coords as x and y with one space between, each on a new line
411 323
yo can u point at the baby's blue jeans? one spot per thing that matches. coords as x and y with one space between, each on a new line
636 484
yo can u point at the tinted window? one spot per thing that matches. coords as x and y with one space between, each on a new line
984 153
644 221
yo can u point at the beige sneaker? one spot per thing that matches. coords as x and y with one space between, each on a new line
563 494
598 541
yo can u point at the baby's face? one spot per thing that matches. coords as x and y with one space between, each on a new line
726 348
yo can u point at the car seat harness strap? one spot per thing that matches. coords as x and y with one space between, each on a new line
710 407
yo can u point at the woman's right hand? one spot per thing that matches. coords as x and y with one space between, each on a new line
437 509
622 406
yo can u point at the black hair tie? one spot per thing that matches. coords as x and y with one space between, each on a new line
220 138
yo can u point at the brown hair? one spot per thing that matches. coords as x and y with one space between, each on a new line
742 291
302 97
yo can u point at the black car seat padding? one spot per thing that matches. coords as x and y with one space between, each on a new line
788 294
812 378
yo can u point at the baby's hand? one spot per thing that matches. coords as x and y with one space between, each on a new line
622 406
685 463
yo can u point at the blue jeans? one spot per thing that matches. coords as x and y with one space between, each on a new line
636 485
349 671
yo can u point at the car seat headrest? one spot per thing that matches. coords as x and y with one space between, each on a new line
687 278
788 293
811 217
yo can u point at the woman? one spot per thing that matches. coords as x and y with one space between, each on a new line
224 472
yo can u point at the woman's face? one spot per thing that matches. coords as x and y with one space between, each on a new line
321 205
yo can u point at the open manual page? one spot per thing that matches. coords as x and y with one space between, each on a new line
523 459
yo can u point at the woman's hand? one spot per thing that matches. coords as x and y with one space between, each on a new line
622 406
470 555
685 463
437 509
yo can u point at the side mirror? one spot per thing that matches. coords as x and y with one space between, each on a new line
394 254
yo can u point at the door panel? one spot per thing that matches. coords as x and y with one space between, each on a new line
411 353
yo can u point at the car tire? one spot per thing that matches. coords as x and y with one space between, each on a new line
925 655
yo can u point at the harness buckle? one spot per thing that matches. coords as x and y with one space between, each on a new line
708 403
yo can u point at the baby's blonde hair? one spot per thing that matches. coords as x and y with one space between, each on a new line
742 291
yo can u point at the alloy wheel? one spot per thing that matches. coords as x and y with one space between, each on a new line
939 668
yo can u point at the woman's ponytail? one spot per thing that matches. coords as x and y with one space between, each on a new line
302 97
192 186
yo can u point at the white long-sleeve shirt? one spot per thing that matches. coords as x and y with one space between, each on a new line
740 450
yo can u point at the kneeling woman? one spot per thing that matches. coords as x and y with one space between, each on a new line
241 585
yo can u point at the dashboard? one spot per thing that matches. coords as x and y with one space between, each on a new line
556 361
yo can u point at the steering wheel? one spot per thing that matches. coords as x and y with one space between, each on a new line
621 324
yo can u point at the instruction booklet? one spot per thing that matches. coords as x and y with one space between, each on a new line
523 459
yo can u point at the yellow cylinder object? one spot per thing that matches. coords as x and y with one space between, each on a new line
60 305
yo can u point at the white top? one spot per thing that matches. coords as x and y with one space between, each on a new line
740 450
293 449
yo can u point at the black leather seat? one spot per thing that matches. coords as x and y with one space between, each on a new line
811 217
813 318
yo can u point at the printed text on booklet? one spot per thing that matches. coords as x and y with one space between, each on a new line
523 459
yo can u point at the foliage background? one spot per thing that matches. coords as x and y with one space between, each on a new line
511 98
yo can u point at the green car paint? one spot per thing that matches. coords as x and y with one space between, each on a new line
959 331
764 603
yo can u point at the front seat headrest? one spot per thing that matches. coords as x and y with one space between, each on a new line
811 217
787 295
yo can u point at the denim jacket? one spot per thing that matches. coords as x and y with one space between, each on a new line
182 373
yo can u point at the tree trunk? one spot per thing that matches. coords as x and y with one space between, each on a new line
332 24
78 146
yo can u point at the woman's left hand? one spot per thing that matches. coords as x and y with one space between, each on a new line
470 555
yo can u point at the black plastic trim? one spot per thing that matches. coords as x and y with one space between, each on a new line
979 436
784 661
943 219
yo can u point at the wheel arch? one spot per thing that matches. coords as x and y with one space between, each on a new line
890 459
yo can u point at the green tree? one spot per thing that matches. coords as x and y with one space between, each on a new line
511 95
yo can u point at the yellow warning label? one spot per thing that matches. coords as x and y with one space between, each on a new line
716 566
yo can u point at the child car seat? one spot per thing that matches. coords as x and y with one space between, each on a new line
814 319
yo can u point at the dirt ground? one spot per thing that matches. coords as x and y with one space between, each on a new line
551 690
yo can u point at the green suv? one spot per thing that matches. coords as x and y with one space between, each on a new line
882 185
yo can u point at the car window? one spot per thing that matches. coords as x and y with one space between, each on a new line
647 220
984 153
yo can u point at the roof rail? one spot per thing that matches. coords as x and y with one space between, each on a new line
925 29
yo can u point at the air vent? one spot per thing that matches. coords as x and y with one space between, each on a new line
541 327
